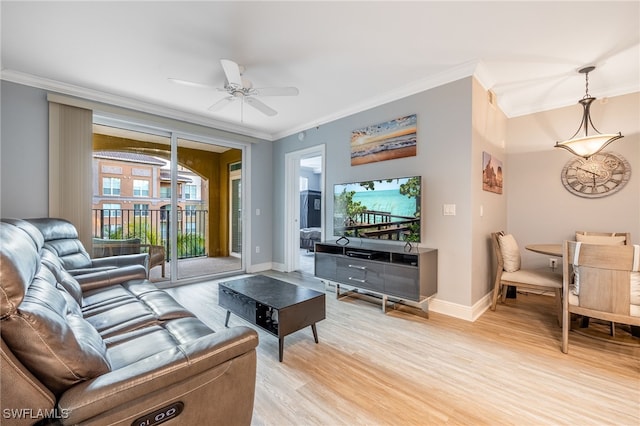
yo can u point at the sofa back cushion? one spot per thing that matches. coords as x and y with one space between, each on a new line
27 227
63 278
61 237
42 324
19 264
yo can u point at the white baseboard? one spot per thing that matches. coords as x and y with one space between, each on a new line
252 269
467 313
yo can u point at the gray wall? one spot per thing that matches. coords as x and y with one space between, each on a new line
534 207
443 160
24 152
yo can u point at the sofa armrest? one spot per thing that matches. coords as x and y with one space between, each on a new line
99 279
122 260
155 374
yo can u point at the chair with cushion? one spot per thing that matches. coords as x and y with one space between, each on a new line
509 272
103 247
600 281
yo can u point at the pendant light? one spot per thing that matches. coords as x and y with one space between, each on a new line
592 141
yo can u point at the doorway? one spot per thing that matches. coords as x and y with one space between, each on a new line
304 200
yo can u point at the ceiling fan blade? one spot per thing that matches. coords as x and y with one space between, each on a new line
260 106
277 91
221 103
191 83
232 72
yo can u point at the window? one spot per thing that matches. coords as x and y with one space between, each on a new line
140 188
165 192
141 209
110 186
112 210
190 211
190 192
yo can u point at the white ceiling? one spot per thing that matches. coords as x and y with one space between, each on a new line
344 57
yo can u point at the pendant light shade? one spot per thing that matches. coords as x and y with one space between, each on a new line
587 140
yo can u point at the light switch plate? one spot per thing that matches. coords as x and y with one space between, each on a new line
449 209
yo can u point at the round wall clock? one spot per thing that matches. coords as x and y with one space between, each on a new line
600 175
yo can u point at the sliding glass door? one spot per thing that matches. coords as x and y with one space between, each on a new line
170 196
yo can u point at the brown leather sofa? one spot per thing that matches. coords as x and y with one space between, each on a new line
110 351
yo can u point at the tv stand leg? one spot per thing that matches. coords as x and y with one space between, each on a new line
384 303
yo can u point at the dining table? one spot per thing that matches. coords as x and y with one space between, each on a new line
548 249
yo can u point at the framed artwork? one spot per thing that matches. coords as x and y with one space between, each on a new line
385 141
491 173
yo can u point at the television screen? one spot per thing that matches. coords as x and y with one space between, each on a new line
387 209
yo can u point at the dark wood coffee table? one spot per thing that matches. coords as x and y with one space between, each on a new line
275 306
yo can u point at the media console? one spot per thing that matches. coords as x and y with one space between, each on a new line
406 273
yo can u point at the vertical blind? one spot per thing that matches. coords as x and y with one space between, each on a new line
70 166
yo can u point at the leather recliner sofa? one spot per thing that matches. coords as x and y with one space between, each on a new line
110 351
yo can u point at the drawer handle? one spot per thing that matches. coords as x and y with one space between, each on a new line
358 280
358 267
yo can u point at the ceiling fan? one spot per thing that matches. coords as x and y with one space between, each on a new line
240 88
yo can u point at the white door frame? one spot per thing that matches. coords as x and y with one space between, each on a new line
292 203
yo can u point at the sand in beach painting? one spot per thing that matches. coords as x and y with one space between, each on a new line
384 141
492 179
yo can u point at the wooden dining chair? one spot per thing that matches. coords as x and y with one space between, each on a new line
610 238
614 238
600 281
509 272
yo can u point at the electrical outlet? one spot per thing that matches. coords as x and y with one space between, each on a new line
552 263
257 249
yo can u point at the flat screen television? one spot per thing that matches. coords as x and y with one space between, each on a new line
386 209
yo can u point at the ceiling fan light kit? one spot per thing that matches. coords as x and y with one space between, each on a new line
240 88
593 141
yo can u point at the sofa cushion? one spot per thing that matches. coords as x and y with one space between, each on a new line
27 227
50 337
63 278
19 263
41 323
128 348
61 237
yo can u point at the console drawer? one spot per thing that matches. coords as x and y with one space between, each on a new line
360 273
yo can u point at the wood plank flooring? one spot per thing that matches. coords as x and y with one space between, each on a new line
400 369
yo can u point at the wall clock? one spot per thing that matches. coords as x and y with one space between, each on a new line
600 175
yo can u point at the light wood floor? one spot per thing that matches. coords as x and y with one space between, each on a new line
401 369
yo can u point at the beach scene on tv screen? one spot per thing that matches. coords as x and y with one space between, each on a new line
386 209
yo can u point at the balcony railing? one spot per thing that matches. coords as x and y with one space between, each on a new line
154 227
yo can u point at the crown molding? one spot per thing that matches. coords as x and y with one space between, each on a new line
562 103
463 70
128 103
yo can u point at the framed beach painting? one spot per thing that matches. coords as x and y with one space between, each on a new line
491 173
385 141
